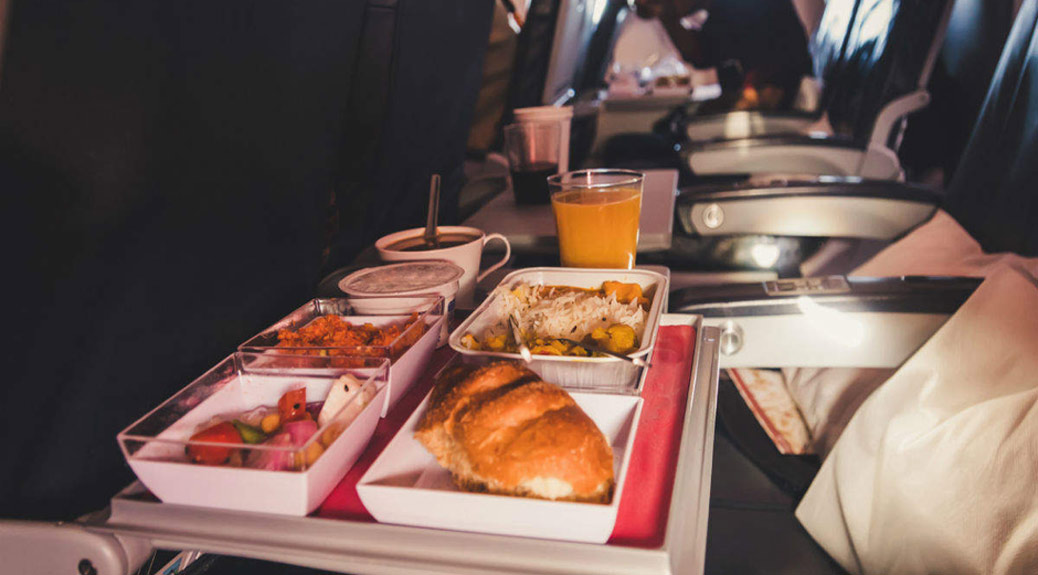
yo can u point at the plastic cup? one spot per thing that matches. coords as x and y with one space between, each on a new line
561 115
533 155
596 217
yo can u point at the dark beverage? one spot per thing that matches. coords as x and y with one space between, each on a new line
530 183
418 243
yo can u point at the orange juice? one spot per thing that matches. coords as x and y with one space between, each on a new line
598 228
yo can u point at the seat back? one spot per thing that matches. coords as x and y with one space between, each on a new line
165 169
937 136
993 193
563 49
889 51
418 73
830 40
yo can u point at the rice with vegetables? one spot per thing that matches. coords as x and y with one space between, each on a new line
612 317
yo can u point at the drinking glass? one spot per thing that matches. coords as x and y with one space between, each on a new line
533 155
596 216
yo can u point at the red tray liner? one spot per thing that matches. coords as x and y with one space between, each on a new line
642 517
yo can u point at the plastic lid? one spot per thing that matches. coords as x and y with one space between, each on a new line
402 278
544 112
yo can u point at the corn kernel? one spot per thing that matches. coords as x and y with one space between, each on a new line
270 423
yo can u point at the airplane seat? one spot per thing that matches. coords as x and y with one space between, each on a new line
850 246
936 136
416 81
991 196
561 57
166 170
877 80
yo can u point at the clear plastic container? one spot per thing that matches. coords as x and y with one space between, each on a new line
408 352
275 477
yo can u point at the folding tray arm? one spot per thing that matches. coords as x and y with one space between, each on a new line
820 154
747 124
833 321
821 207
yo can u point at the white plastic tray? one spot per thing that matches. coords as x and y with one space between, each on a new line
407 486
135 522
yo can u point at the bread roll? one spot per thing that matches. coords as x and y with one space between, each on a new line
500 429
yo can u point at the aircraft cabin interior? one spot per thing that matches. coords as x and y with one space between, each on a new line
566 287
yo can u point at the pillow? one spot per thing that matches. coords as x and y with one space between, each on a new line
937 472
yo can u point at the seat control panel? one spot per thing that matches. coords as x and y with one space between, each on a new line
807 286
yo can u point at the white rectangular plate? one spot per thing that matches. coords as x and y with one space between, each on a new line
406 485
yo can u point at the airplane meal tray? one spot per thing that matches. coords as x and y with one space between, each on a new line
660 529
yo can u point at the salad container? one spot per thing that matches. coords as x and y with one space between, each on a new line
408 353
163 447
592 374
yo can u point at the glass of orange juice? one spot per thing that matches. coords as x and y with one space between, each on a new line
596 216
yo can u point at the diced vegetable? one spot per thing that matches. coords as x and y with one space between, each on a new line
308 456
621 338
270 423
292 405
223 432
625 293
272 460
249 433
300 431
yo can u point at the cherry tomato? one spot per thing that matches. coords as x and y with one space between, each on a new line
292 406
214 454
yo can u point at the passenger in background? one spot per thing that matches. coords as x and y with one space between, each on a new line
760 44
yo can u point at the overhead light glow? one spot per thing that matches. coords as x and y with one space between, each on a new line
833 323
765 254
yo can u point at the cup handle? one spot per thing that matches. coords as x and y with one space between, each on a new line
508 254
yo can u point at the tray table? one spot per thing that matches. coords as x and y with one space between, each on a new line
661 528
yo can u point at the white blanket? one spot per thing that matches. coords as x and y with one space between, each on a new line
937 472
827 398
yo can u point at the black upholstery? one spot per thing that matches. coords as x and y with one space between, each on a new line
830 39
993 193
165 172
165 169
885 57
533 54
936 137
419 69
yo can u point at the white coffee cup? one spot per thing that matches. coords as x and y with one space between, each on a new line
561 114
466 255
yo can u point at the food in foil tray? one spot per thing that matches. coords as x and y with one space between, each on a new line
565 320
292 423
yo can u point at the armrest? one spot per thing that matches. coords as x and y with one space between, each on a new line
809 154
825 322
819 207
819 139
746 124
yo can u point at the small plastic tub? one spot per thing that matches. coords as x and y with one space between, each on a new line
408 352
408 279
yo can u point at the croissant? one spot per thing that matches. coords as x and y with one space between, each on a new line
500 429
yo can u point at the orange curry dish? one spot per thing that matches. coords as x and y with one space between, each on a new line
333 335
